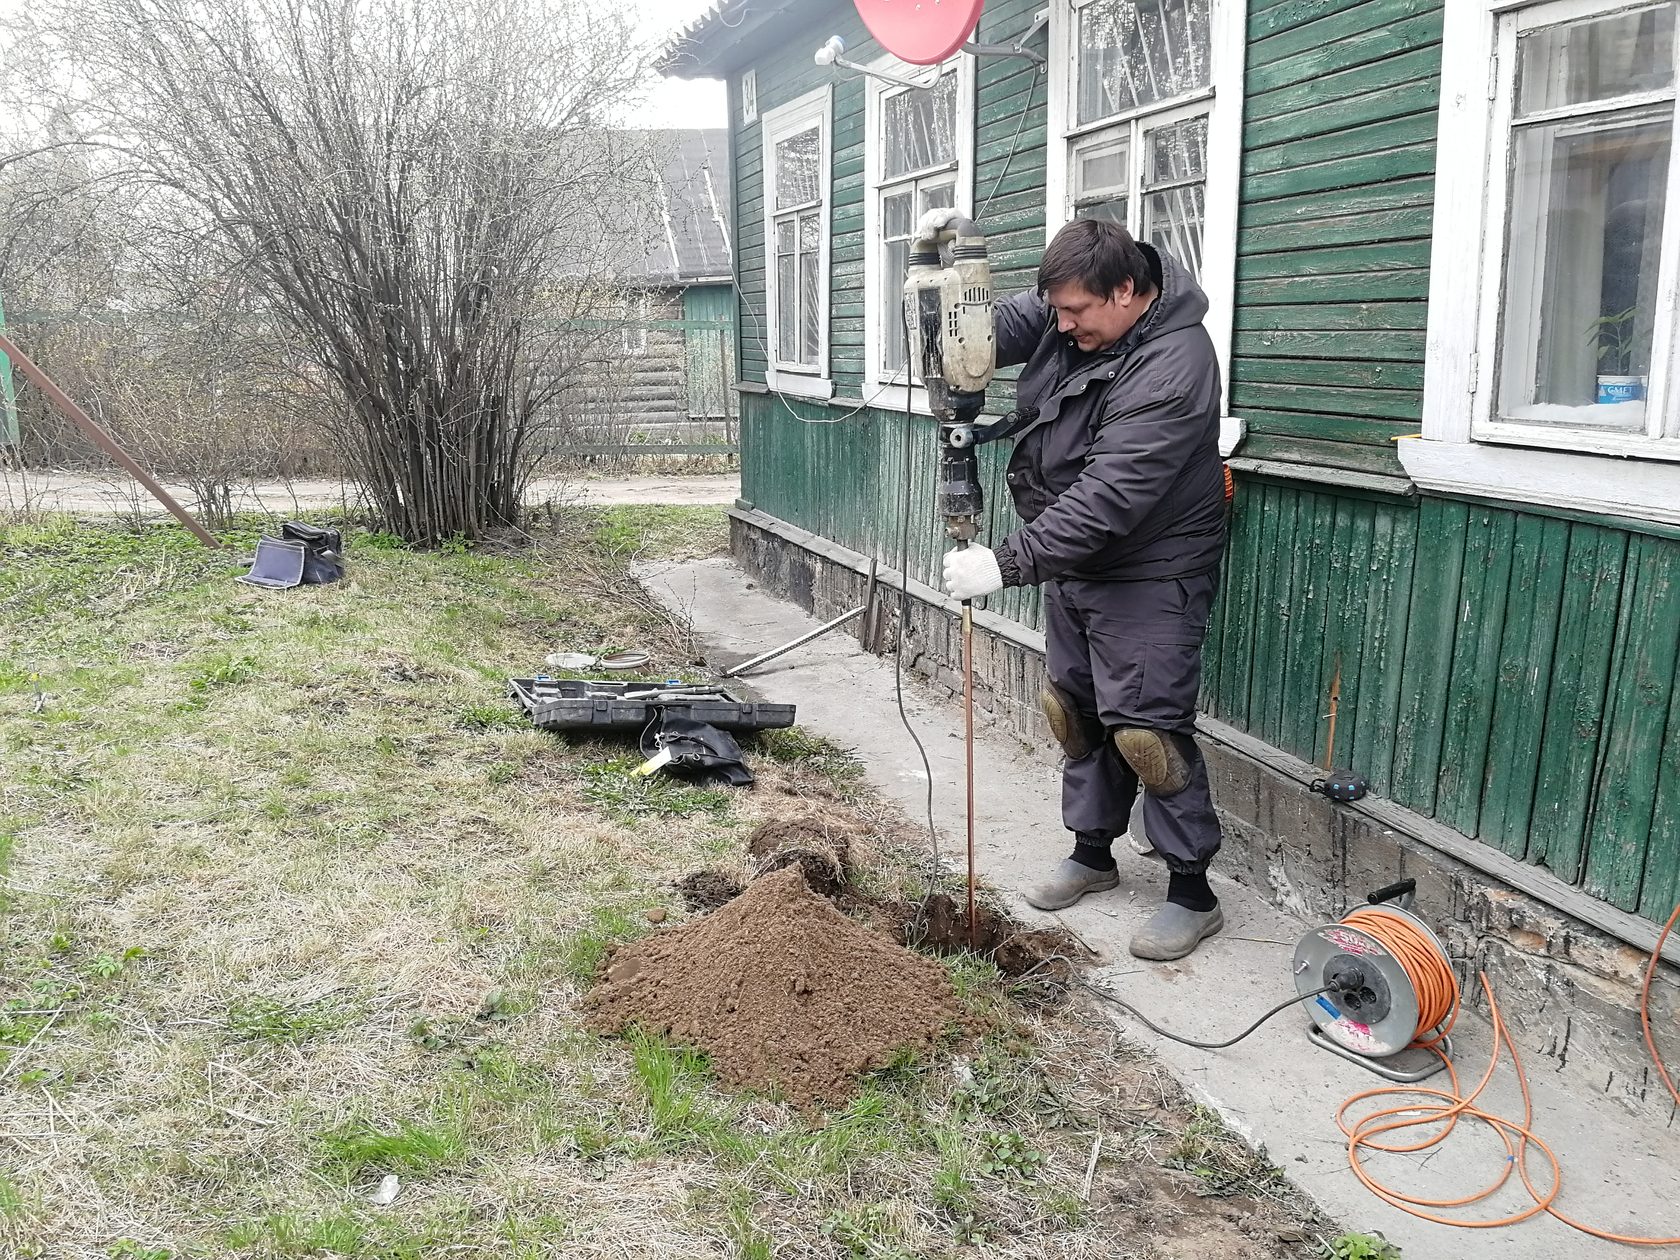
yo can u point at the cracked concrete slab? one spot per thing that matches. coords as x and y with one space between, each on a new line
1620 1172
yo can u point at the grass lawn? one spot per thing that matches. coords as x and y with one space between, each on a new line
295 904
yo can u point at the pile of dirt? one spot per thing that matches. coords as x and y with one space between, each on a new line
781 990
819 843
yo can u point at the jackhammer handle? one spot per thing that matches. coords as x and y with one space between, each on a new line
1388 892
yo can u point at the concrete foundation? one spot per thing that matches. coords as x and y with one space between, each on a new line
1566 969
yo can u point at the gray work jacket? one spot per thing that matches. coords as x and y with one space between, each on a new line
1119 477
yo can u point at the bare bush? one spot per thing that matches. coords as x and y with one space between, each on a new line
422 199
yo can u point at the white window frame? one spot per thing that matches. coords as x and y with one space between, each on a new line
1464 447
1222 102
806 380
878 306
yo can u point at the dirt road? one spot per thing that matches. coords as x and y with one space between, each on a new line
117 495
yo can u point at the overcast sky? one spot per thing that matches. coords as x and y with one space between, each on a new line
671 102
675 102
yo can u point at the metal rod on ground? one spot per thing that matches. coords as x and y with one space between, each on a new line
735 671
1335 700
866 632
102 439
968 748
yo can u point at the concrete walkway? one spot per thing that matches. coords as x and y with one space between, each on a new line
1619 1173
119 495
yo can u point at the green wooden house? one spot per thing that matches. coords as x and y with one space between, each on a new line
1444 291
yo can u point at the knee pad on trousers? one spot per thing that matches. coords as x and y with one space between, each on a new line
1155 757
1079 734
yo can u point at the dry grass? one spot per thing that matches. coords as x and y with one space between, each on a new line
293 904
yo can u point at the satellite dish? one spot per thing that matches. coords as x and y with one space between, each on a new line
922 32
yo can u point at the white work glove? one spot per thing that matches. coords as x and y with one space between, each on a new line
935 220
972 572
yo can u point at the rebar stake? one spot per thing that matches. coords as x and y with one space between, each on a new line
968 749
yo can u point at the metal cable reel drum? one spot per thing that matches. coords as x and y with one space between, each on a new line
1371 1009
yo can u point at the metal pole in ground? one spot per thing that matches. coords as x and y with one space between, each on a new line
102 439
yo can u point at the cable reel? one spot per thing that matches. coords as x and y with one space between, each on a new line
1379 983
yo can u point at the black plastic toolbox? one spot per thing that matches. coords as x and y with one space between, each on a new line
575 704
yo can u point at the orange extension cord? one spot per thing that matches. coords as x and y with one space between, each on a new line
1438 999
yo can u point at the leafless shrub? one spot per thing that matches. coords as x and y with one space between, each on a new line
422 199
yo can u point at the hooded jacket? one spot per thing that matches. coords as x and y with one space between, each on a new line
1119 477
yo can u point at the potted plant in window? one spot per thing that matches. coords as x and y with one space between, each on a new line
1616 341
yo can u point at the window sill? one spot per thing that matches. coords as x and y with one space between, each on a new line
1564 439
800 384
1604 485
891 397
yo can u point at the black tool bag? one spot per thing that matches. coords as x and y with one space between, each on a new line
303 555
697 751
323 551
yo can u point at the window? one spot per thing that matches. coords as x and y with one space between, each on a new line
1587 146
796 147
1557 138
1146 130
919 159
1142 94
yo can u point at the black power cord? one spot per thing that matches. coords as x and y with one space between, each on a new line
1108 996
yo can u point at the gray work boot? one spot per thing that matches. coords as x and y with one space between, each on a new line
1156 758
1079 734
1068 883
1174 931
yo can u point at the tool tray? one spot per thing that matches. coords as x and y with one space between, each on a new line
574 704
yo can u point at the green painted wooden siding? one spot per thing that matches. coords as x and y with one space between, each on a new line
1508 673
1010 103
1333 238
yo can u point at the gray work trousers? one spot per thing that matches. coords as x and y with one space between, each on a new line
1130 654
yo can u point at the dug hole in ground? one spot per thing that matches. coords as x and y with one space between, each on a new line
1619 1173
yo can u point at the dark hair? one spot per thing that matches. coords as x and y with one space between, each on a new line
1096 254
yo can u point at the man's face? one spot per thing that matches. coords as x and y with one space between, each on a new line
1094 322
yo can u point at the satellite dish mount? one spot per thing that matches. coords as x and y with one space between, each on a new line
925 33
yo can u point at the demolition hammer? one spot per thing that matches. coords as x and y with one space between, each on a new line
948 319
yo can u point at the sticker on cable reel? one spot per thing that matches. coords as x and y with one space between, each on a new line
1356 1036
1348 942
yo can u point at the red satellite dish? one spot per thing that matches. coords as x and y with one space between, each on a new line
922 32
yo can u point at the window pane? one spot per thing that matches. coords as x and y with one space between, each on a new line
898 215
810 231
938 197
1136 52
787 307
1110 211
784 236
1101 166
1581 271
920 128
1597 60
798 167
810 308
895 260
1173 224
1177 152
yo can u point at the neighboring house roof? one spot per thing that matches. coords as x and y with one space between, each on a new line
688 226
726 36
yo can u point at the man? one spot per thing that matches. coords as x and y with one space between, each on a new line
1119 482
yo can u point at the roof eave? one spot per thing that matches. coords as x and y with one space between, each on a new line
713 47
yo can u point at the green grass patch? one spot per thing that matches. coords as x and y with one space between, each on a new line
362 1147
262 1018
633 799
